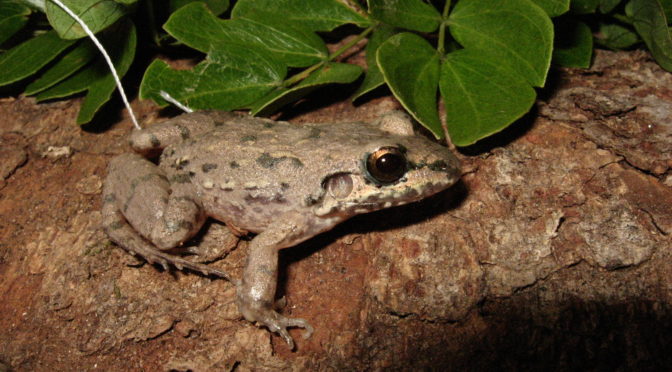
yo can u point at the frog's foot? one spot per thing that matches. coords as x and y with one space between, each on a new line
279 324
125 236
275 322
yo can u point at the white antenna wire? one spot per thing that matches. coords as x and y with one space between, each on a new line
105 55
175 102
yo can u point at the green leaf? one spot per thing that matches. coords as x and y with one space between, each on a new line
607 6
648 17
82 79
67 65
198 28
231 77
217 7
195 26
615 36
573 43
667 8
35 5
76 83
13 17
331 73
27 58
374 78
97 78
584 6
97 14
410 14
323 15
120 44
411 69
512 32
481 96
553 8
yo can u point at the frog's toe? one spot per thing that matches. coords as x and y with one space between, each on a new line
280 303
279 324
301 323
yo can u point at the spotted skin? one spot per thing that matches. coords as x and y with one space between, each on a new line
286 183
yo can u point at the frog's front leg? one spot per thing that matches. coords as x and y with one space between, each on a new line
256 293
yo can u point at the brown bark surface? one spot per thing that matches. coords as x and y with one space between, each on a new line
553 252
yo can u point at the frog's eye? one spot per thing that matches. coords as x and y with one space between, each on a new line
386 165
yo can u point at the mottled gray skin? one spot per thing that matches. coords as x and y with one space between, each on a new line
284 182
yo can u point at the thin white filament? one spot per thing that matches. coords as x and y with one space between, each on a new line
105 55
175 102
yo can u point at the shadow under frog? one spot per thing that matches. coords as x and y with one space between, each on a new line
286 183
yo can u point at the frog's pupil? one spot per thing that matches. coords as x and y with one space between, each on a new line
387 165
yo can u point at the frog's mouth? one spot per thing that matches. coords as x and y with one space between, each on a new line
392 196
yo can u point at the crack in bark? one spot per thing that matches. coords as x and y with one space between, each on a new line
645 171
654 223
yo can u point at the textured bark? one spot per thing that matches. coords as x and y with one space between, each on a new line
553 252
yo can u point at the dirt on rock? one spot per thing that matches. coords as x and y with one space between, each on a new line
554 251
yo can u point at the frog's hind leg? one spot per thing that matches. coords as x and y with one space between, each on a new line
140 205
125 236
164 212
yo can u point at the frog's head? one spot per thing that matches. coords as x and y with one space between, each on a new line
393 168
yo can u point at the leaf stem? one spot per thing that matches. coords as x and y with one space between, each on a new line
351 43
302 75
305 73
442 29
623 18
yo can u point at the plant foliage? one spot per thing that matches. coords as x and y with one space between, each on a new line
481 59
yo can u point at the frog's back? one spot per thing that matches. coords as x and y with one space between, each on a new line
249 173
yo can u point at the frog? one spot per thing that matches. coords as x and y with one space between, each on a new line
283 182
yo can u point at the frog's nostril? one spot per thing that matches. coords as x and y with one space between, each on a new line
438 166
